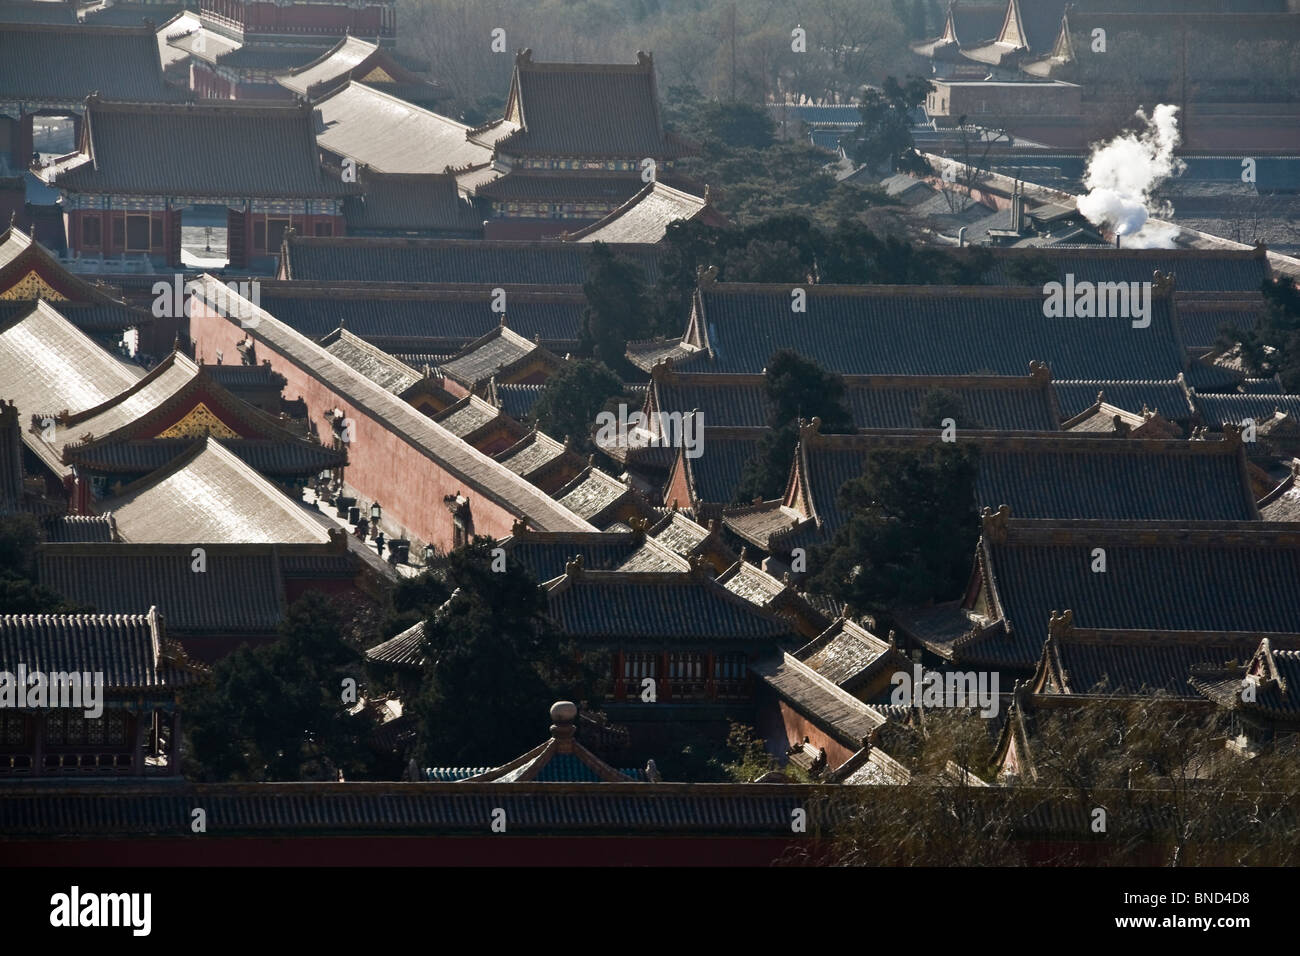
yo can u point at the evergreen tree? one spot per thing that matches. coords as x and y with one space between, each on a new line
571 400
796 388
493 663
279 711
911 530
617 309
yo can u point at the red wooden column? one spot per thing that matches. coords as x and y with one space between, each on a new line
23 153
172 236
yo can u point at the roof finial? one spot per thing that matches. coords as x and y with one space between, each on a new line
563 713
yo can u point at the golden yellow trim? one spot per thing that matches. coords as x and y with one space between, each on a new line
32 286
378 75
199 421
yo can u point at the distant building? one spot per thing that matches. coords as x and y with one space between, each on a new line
260 162
242 50
577 141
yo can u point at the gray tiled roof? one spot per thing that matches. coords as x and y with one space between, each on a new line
92 318
1005 403
614 606
1063 477
1216 410
1165 396
26 11
275 458
416 203
403 650
716 473
207 495
344 57
127 649
586 110
390 135
11 459
1194 270
127 14
1168 577
546 554
67 63
1282 503
592 494
375 364
1145 663
530 453
205 150
931 330
1201 325
653 556
104 811
480 360
525 185
98 527
517 401
48 365
644 217
470 261
430 319
239 592
847 718
843 653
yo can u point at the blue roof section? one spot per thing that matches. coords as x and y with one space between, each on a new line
1166 397
919 330
1217 410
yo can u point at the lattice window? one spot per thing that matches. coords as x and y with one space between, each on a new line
685 667
15 728
76 723
640 665
729 667
115 726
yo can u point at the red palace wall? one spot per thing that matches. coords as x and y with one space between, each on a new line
797 727
383 467
207 84
112 232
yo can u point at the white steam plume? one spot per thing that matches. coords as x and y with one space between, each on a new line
1123 174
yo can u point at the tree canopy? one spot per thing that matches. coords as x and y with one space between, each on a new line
493 663
572 398
1273 346
884 139
796 388
282 711
911 531
19 591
